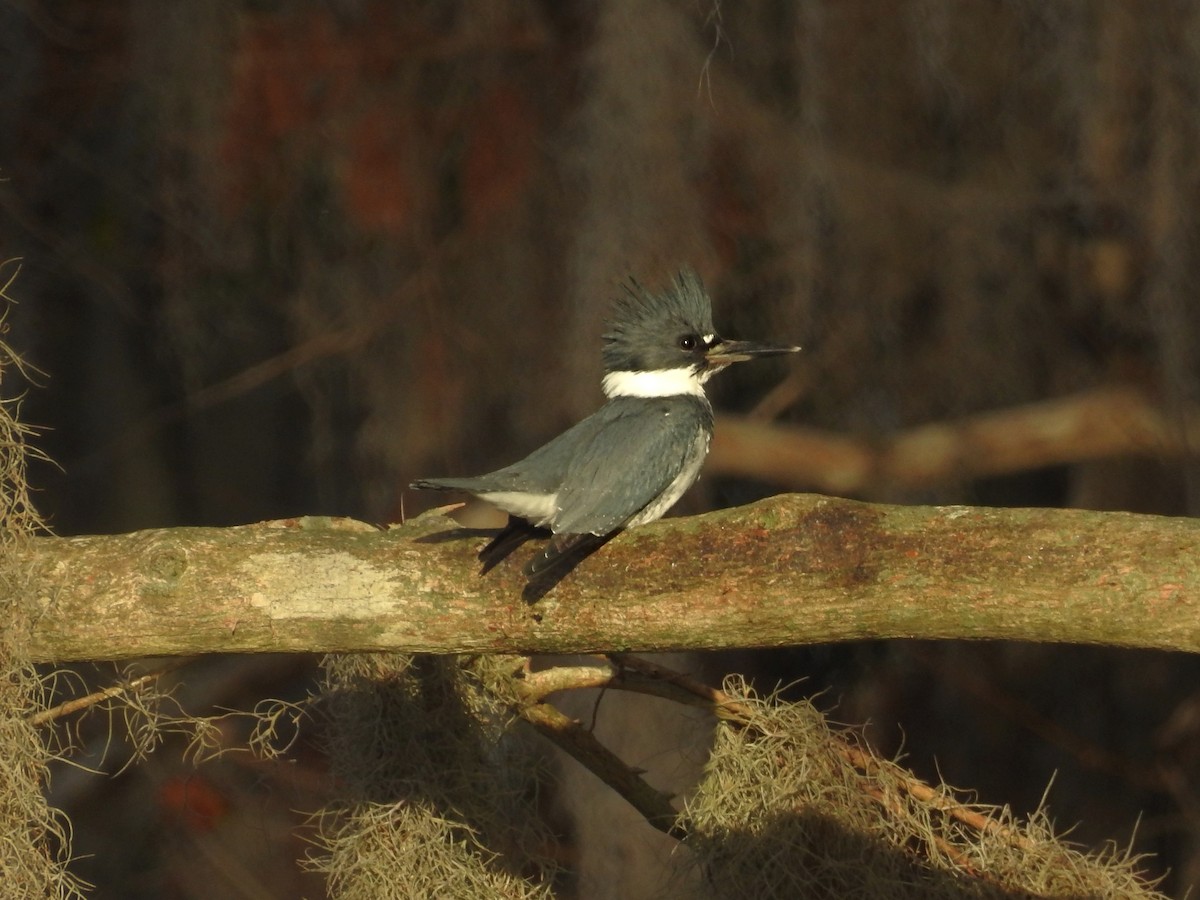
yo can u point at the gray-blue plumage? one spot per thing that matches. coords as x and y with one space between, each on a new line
596 490
632 459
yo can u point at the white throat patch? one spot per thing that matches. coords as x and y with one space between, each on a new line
660 383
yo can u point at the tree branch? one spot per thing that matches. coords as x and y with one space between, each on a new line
1103 423
791 569
632 673
571 737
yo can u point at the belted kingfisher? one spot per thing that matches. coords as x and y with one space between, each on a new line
627 463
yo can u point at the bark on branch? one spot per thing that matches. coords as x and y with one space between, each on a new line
792 569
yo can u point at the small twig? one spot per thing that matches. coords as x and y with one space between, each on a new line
537 686
324 345
45 716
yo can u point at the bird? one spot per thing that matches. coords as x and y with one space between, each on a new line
627 463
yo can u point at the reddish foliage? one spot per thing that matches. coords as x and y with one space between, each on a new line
193 801
293 82
378 188
499 154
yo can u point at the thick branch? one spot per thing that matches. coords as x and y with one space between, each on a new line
792 569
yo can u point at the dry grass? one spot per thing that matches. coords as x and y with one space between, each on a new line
34 838
439 797
785 811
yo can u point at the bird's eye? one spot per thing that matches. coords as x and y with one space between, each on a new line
688 343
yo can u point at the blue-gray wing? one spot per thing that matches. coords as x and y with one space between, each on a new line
638 451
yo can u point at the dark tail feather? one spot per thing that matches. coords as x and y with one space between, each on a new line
562 549
512 536
425 484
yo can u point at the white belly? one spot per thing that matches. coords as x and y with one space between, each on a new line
536 508
684 480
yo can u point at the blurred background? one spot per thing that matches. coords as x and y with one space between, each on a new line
281 258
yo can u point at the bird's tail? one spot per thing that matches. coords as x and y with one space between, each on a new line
514 534
565 549
441 484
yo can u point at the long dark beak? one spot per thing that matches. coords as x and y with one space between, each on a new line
725 352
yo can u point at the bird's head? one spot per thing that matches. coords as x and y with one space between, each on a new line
664 344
